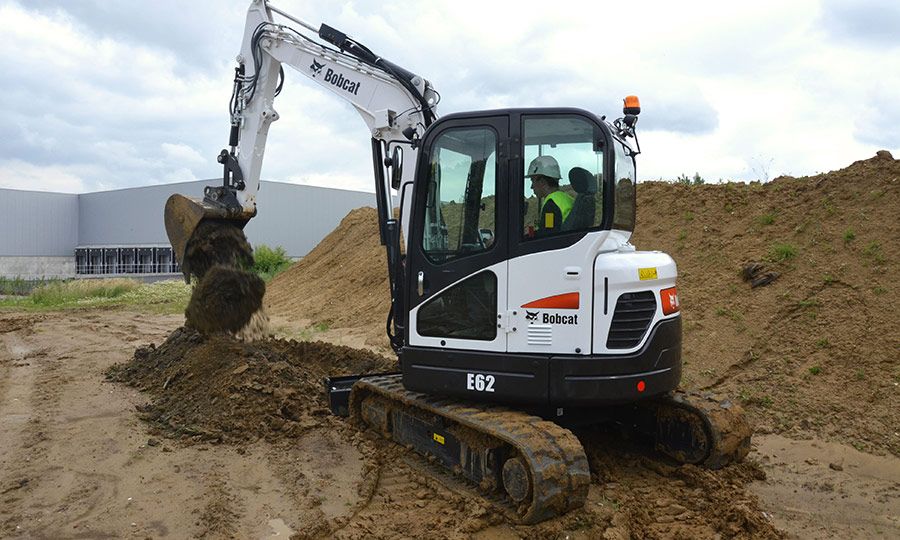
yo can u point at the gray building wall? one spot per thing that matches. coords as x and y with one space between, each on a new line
40 231
293 216
38 224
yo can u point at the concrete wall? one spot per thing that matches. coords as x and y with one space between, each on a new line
32 268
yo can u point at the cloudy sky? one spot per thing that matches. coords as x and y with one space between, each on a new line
101 94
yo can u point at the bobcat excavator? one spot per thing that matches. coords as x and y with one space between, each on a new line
511 324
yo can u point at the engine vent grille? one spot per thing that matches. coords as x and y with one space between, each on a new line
633 315
540 334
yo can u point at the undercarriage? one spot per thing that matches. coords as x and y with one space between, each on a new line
531 468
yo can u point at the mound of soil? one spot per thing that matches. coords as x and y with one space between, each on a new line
343 282
798 349
218 388
801 350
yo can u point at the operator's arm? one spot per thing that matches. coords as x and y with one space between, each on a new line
550 219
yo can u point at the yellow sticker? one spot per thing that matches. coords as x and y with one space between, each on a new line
647 273
548 221
439 438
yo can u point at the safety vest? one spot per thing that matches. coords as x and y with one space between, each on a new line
564 201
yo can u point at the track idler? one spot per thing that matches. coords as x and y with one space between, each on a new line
700 429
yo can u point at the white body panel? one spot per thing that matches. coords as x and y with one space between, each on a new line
581 268
550 273
622 270
499 342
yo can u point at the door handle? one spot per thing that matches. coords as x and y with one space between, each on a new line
421 283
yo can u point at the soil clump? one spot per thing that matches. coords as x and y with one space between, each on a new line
225 299
226 296
218 388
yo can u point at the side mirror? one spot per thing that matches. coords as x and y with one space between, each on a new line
396 167
487 237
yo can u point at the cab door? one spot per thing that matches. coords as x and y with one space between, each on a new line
457 257
551 267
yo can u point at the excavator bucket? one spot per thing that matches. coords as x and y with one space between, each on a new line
183 216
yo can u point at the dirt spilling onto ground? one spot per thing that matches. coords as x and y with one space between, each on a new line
227 297
219 388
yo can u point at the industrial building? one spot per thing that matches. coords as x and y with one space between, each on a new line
60 235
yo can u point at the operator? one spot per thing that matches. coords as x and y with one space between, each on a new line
556 204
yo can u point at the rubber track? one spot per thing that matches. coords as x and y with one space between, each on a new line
724 422
557 462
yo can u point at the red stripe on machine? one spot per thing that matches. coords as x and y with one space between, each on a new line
560 301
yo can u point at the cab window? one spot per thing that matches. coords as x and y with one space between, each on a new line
624 201
563 158
460 207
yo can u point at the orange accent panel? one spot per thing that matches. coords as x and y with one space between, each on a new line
560 301
669 298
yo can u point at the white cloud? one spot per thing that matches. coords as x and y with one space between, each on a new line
17 174
115 95
182 153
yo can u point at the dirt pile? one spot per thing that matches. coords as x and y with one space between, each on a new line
343 282
226 296
221 389
813 350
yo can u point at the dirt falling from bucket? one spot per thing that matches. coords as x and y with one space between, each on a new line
227 297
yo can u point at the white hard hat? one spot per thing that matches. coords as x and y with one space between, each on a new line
545 166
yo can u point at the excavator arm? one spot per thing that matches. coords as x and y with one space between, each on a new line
395 105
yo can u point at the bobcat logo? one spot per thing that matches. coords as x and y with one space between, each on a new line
316 68
531 316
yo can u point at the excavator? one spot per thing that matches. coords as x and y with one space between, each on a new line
513 324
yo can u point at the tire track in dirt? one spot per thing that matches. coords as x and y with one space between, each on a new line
26 407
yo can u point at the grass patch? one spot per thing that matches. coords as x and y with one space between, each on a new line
689 216
782 252
19 287
873 251
823 343
815 370
162 296
849 235
766 219
71 292
749 398
322 327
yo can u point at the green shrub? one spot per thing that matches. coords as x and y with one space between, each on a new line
696 180
268 262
